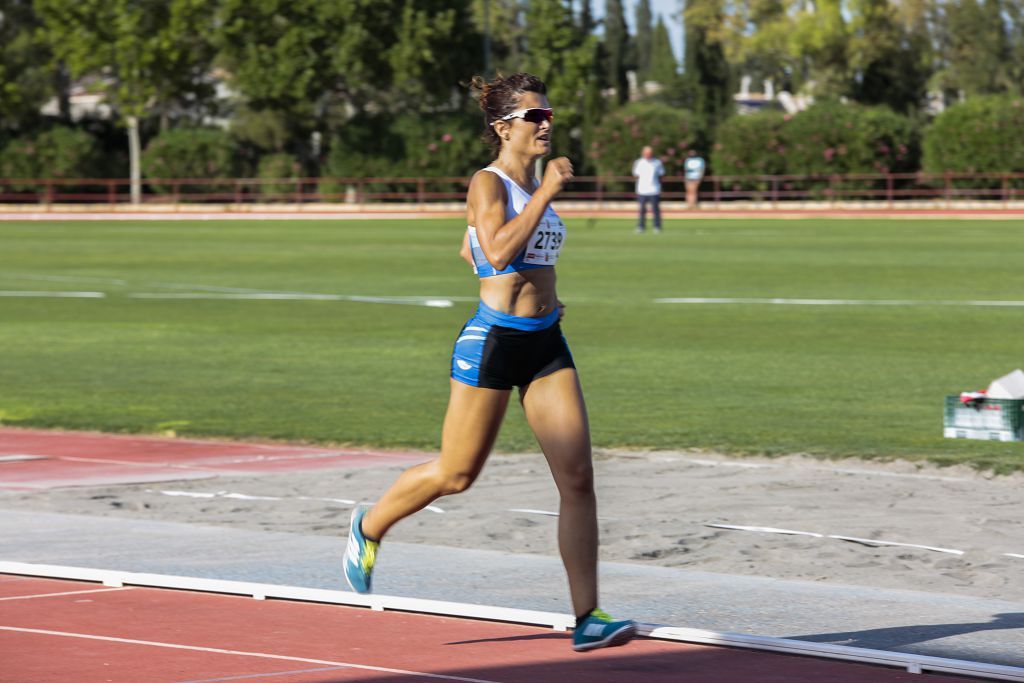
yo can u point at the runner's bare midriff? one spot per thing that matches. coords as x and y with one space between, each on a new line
526 293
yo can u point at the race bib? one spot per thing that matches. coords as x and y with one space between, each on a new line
545 243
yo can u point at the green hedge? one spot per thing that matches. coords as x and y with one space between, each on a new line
446 145
827 139
982 134
192 153
616 142
274 166
57 153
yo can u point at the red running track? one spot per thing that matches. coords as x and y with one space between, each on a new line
56 630
35 459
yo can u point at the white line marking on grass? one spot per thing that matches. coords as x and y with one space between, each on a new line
52 595
240 653
832 302
68 278
52 295
431 302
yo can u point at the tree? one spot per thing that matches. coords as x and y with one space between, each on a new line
758 40
974 44
148 54
561 55
644 44
889 60
616 49
313 64
664 66
25 80
707 74
587 22
819 43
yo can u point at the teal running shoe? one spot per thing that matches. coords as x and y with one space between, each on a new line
600 630
360 555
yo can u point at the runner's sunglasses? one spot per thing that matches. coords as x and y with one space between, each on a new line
535 115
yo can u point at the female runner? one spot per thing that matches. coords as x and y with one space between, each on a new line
514 340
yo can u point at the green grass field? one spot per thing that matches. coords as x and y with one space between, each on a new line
744 378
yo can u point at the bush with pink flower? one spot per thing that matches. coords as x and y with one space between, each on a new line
982 134
616 142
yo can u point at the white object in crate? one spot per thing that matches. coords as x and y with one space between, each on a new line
1007 386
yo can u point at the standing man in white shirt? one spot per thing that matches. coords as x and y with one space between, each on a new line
648 171
693 169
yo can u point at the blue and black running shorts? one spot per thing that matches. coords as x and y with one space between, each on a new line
495 350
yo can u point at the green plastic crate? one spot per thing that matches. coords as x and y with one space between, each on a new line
990 419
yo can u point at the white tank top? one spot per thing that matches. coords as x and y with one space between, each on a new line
544 245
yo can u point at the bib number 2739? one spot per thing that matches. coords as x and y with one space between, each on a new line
545 243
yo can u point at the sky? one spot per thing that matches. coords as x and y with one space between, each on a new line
669 11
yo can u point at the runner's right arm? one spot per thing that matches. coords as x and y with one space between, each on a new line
502 241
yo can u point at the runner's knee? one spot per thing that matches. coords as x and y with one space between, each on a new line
451 482
576 481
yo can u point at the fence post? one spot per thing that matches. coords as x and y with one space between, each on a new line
889 188
111 193
949 189
1006 188
718 194
419 191
600 194
775 193
298 190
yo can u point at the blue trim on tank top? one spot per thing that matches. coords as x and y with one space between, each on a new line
493 317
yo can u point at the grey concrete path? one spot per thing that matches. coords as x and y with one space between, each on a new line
989 631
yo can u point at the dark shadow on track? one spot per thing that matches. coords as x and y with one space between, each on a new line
899 637
540 636
706 665
888 638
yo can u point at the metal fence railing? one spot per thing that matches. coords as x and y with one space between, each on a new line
888 188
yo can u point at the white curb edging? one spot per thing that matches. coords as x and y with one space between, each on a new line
560 622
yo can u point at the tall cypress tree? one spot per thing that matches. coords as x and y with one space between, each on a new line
664 67
616 42
643 40
707 73
587 22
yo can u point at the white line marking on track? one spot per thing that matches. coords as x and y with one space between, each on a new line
765 530
246 677
52 595
873 542
831 302
160 465
534 512
241 653
839 470
244 496
51 295
21 457
853 539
